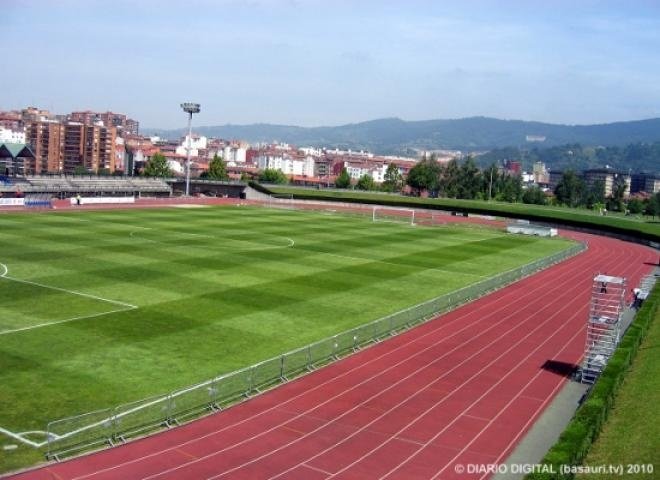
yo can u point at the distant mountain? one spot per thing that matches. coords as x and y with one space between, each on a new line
396 136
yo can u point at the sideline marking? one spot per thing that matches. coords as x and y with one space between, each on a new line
125 306
20 438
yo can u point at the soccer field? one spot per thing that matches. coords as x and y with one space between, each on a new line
100 308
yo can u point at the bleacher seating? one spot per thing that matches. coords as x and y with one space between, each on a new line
89 184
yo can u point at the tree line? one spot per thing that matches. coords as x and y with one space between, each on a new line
466 181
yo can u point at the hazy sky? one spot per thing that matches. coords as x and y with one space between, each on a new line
332 62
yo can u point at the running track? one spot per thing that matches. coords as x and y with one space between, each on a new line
463 388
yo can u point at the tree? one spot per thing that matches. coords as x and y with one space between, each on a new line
80 170
653 207
393 181
534 195
343 180
366 182
635 206
449 179
271 175
570 189
217 169
425 175
512 188
594 193
469 180
157 166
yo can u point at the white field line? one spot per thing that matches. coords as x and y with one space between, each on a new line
20 438
125 306
66 320
72 292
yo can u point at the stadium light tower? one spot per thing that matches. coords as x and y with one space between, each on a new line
189 108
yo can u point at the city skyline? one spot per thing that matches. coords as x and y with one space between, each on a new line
313 63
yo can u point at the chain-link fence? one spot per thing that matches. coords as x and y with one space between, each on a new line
113 425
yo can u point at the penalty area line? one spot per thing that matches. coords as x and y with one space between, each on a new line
66 320
72 292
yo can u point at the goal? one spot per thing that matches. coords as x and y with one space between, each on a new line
393 214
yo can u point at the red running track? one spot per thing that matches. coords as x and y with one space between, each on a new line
463 388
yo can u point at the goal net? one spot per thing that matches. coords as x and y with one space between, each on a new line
393 214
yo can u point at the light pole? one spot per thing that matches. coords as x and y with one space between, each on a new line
189 108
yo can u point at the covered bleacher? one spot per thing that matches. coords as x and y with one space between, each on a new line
63 186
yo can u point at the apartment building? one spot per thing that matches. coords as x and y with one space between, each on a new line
8 135
46 138
63 148
120 121
609 178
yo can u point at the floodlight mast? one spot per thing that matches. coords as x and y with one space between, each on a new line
189 108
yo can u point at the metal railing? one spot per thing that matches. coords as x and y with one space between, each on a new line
117 424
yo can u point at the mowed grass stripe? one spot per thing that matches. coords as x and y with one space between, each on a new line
206 307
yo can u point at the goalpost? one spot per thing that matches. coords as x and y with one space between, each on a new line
393 214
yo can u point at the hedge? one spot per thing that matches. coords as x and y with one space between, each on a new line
574 443
630 229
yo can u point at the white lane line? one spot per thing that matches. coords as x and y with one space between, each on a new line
5 270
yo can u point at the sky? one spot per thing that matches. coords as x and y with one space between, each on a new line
332 62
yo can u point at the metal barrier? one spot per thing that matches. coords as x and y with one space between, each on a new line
117 424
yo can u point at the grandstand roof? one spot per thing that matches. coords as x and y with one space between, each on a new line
15 150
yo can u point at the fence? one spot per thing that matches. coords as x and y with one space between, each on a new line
117 424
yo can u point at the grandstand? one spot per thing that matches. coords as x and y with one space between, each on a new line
68 185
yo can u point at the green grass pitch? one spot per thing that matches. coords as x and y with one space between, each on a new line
101 308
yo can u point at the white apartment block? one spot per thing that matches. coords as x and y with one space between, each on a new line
233 155
197 143
286 164
11 136
315 152
375 172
